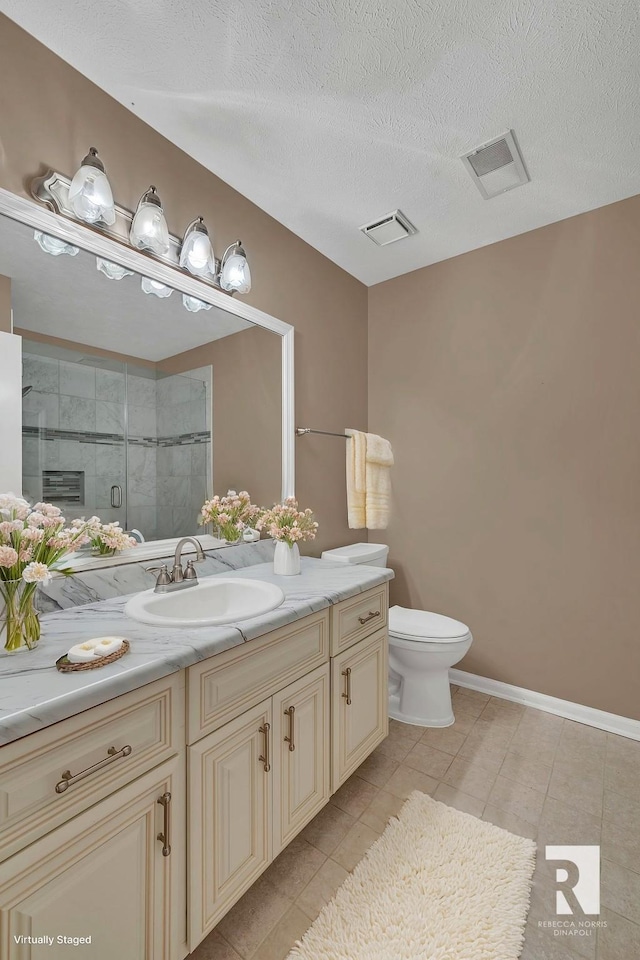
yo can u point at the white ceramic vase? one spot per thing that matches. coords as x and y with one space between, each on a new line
286 559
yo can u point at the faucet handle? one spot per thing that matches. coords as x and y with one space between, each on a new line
190 573
163 574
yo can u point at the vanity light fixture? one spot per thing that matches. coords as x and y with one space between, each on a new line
196 254
112 270
149 229
154 286
193 304
90 193
235 275
54 245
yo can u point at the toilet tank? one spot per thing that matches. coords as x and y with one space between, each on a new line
369 554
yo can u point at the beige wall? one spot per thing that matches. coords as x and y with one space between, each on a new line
247 393
5 304
508 381
50 116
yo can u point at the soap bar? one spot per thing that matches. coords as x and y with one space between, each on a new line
82 652
106 645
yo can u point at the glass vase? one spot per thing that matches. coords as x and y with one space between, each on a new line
19 620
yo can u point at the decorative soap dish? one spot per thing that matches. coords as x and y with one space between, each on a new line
65 666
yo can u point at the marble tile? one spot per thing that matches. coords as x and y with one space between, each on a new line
31 459
396 746
214 947
383 806
562 823
141 391
103 487
428 760
174 492
75 455
620 890
447 739
199 457
412 731
576 786
77 413
509 821
173 390
142 421
32 487
109 417
526 770
621 830
77 379
143 519
110 385
377 768
321 888
110 461
41 410
40 372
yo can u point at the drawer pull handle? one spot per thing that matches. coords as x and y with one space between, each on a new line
264 757
291 713
370 616
165 836
68 778
347 695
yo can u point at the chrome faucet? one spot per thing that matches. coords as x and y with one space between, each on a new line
178 579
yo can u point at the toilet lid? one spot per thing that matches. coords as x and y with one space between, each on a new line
423 625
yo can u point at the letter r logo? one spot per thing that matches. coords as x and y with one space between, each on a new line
577 880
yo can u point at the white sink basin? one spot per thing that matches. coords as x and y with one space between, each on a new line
214 600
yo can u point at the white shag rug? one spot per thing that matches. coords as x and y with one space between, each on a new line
438 885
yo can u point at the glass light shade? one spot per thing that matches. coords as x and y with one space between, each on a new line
54 245
149 228
235 273
90 193
112 270
155 287
193 304
196 254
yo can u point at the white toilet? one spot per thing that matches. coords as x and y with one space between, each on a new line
422 647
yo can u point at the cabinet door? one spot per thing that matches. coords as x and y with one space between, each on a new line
301 754
229 816
103 875
358 704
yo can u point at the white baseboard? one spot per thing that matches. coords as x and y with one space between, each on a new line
623 726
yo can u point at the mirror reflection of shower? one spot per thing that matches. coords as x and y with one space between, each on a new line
125 441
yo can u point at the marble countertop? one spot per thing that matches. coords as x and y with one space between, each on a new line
33 694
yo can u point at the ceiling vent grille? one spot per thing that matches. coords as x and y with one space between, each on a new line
496 166
393 226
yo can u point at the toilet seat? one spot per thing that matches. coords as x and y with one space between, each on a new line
422 626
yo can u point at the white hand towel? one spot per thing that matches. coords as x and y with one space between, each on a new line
379 460
356 479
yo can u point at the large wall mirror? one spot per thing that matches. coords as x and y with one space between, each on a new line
135 407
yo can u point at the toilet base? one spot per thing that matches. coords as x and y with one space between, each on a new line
395 713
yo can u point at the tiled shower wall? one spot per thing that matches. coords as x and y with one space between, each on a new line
75 418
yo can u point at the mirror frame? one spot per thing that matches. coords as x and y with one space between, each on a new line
93 240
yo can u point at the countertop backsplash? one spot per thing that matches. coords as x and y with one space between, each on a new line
89 586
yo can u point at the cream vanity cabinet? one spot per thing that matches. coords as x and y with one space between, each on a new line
115 869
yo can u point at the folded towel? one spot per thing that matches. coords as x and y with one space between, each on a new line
379 459
356 477
369 458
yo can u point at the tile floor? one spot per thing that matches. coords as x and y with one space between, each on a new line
530 772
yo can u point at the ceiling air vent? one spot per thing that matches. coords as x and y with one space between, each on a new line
496 166
394 226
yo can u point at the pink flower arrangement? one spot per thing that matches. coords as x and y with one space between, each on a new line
108 538
230 514
32 540
285 522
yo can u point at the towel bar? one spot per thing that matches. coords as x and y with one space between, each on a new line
301 431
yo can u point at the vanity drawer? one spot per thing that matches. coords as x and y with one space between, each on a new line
120 740
222 687
358 617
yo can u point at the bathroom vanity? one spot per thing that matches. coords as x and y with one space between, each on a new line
173 777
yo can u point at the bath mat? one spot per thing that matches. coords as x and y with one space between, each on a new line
439 884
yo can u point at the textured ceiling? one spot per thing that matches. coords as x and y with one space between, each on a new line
329 113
